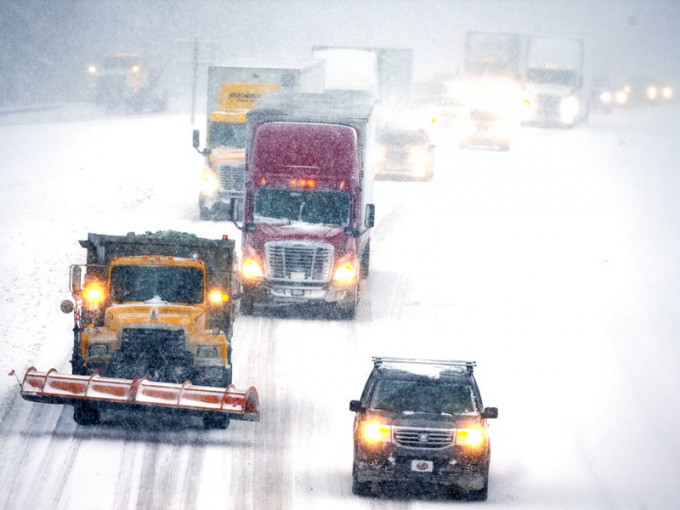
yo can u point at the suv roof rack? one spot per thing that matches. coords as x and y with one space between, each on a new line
379 360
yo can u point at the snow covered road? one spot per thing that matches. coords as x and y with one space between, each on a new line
553 265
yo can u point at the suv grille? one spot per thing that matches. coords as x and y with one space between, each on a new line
233 178
423 438
298 261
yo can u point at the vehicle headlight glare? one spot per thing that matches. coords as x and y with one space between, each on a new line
94 295
374 433
569 109
345 273
210 183
251 269
471 436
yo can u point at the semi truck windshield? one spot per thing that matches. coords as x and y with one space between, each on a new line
171 284
223 134
326 207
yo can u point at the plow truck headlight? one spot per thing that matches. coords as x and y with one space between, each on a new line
472 436
98 350
217 297
94 295
345 272
251 269
374 433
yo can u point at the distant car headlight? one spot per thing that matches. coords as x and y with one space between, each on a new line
569 109
379 155
419 159
606 97
621 97
652 92
667 92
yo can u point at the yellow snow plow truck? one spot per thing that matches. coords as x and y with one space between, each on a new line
153 317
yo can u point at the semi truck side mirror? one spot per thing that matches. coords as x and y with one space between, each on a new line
369 221
197 139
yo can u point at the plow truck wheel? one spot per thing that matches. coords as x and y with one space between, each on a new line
84 414
215 421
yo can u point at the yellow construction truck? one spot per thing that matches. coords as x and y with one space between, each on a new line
233 89
153 321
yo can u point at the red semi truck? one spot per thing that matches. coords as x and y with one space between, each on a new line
308 203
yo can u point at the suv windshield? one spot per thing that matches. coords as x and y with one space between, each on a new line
171 284
325 207
422 396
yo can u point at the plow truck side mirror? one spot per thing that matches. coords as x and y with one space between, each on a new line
76 279
67 306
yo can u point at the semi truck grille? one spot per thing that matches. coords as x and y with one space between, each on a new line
298 261
423 438
233 178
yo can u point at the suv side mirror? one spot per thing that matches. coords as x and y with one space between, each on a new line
490 412
355 406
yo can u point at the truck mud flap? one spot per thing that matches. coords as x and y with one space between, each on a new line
53 388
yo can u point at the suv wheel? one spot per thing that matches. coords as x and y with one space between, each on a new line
359 488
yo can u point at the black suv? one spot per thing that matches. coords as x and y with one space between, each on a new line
422 421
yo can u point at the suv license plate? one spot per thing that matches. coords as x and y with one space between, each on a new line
422 466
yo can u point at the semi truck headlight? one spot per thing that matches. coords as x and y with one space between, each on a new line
94 294
470 436
569 110
251 269
374 433
210 183
345 272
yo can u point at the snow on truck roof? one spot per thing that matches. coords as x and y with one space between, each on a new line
333 106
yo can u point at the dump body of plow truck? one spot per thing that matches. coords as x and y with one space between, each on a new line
308 208
153 320
233 89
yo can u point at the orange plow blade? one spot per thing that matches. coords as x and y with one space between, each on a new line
53 388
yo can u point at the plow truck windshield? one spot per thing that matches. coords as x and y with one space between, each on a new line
171 284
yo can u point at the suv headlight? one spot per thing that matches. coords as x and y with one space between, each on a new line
374 433
470 436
